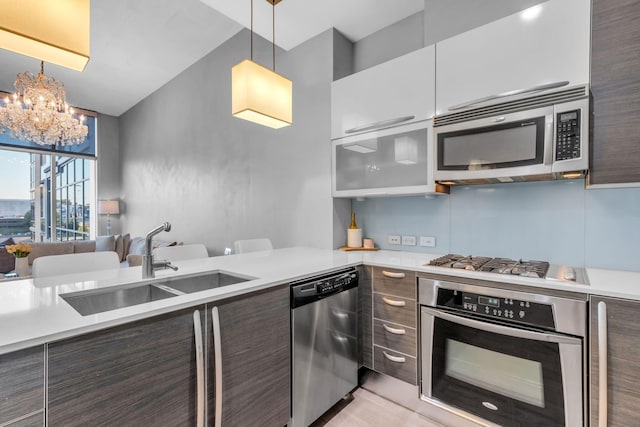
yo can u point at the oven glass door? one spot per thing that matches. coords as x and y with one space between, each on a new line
505 375
506 145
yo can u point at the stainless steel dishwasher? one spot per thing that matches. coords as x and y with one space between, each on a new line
324 343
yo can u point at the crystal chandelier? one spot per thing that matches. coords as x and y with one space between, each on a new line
38 112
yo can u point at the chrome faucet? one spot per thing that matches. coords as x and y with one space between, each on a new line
149 266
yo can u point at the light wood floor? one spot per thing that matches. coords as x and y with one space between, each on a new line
366 409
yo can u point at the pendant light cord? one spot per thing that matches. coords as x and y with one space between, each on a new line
273 36
251 55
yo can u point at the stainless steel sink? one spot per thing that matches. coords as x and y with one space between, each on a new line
98 302
92 302
205 282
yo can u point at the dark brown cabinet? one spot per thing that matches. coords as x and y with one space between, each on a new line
145 372
615 85
365 317
141 373
613 323
256 360
22 387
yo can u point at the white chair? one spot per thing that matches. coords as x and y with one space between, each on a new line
181 252
252 245
54 265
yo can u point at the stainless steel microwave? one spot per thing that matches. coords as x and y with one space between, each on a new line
528 139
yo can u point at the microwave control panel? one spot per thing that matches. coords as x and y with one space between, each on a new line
568 135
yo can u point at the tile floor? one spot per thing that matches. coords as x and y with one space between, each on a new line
365 409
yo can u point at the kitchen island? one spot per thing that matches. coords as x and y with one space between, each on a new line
168 354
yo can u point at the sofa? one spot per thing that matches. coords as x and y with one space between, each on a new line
129 250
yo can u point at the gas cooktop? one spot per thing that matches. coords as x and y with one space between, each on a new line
531 268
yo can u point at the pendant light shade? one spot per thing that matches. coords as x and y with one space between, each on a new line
261 95
50 31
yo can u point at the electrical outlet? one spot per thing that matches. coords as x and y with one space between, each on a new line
428 241
393 239
409 240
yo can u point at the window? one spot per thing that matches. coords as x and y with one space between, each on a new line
47 193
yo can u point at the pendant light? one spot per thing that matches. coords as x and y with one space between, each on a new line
259 94
52 31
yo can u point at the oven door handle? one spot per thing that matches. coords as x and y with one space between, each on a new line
502 330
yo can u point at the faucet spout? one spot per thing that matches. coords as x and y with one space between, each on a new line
148 266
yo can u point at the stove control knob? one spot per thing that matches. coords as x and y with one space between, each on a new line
475 307
495 312
521 314
486 310
511 315
499 312
527 304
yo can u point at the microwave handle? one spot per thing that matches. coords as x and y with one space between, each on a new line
380 124
509 93
502 330
548 141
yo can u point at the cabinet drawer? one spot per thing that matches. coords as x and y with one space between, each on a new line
395 337
399 283
21 383
395 364
394 309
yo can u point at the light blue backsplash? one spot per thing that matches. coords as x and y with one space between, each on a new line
558 221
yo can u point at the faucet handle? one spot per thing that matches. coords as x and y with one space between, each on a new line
164 264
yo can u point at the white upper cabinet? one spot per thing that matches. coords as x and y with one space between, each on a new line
545 44
394 92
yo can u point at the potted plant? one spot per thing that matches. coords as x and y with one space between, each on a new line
21 251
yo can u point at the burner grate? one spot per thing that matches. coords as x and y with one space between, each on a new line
493 265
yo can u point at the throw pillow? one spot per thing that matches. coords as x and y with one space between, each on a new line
126 241
136 247
119 246
105 243
7 260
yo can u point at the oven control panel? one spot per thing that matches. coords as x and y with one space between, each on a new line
508 309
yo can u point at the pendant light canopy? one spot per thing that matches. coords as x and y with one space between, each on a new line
50 31
259 94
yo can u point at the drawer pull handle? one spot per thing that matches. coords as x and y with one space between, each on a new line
396 331
396 359
393 275
394 302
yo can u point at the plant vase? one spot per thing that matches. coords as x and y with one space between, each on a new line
22 266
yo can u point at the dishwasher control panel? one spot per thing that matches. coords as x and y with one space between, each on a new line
315 288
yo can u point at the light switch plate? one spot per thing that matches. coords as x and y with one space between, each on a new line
409 240
428 241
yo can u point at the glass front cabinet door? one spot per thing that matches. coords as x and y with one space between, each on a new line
387 162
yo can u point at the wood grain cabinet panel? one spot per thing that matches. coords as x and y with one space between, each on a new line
365 318
141 373
21 383
615 86
396 364
623 359
400 283
394 309
33 420
256 360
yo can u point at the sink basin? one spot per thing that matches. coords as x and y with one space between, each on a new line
205 282
98 302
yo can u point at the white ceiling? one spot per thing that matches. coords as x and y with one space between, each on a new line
139 45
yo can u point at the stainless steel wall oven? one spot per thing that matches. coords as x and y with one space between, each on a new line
503 357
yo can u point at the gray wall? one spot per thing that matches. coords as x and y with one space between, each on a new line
217 178
108 169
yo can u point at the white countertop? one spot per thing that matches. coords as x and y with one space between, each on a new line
32 311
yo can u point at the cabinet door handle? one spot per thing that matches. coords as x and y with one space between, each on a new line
602 365
393 302
380 124
509 93
393 274
201 396
396 359
396 331
217 359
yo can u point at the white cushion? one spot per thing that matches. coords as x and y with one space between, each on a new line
181 252
252 245
55 265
